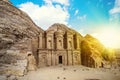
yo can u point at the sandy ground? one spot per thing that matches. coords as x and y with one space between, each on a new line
72 73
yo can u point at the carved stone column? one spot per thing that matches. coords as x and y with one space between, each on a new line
59 39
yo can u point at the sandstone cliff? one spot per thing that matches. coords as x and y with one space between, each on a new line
95 54
15 25
92 50
18 37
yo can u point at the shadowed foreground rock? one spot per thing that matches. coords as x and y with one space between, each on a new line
18 37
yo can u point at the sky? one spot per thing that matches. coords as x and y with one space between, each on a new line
100 18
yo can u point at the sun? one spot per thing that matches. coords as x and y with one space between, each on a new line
109 37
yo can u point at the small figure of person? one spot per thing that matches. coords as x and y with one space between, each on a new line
31 64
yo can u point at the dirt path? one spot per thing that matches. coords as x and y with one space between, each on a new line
72 73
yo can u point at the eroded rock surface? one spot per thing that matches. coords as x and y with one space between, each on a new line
18 36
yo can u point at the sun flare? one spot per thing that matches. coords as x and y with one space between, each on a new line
109 37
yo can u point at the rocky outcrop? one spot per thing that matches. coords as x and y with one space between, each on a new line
91 52
95 54
18 37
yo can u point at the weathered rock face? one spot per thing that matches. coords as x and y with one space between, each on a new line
92 51
95 54
18 37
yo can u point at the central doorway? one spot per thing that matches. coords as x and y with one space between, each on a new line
60 59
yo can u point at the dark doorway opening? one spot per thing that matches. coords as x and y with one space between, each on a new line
60 59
